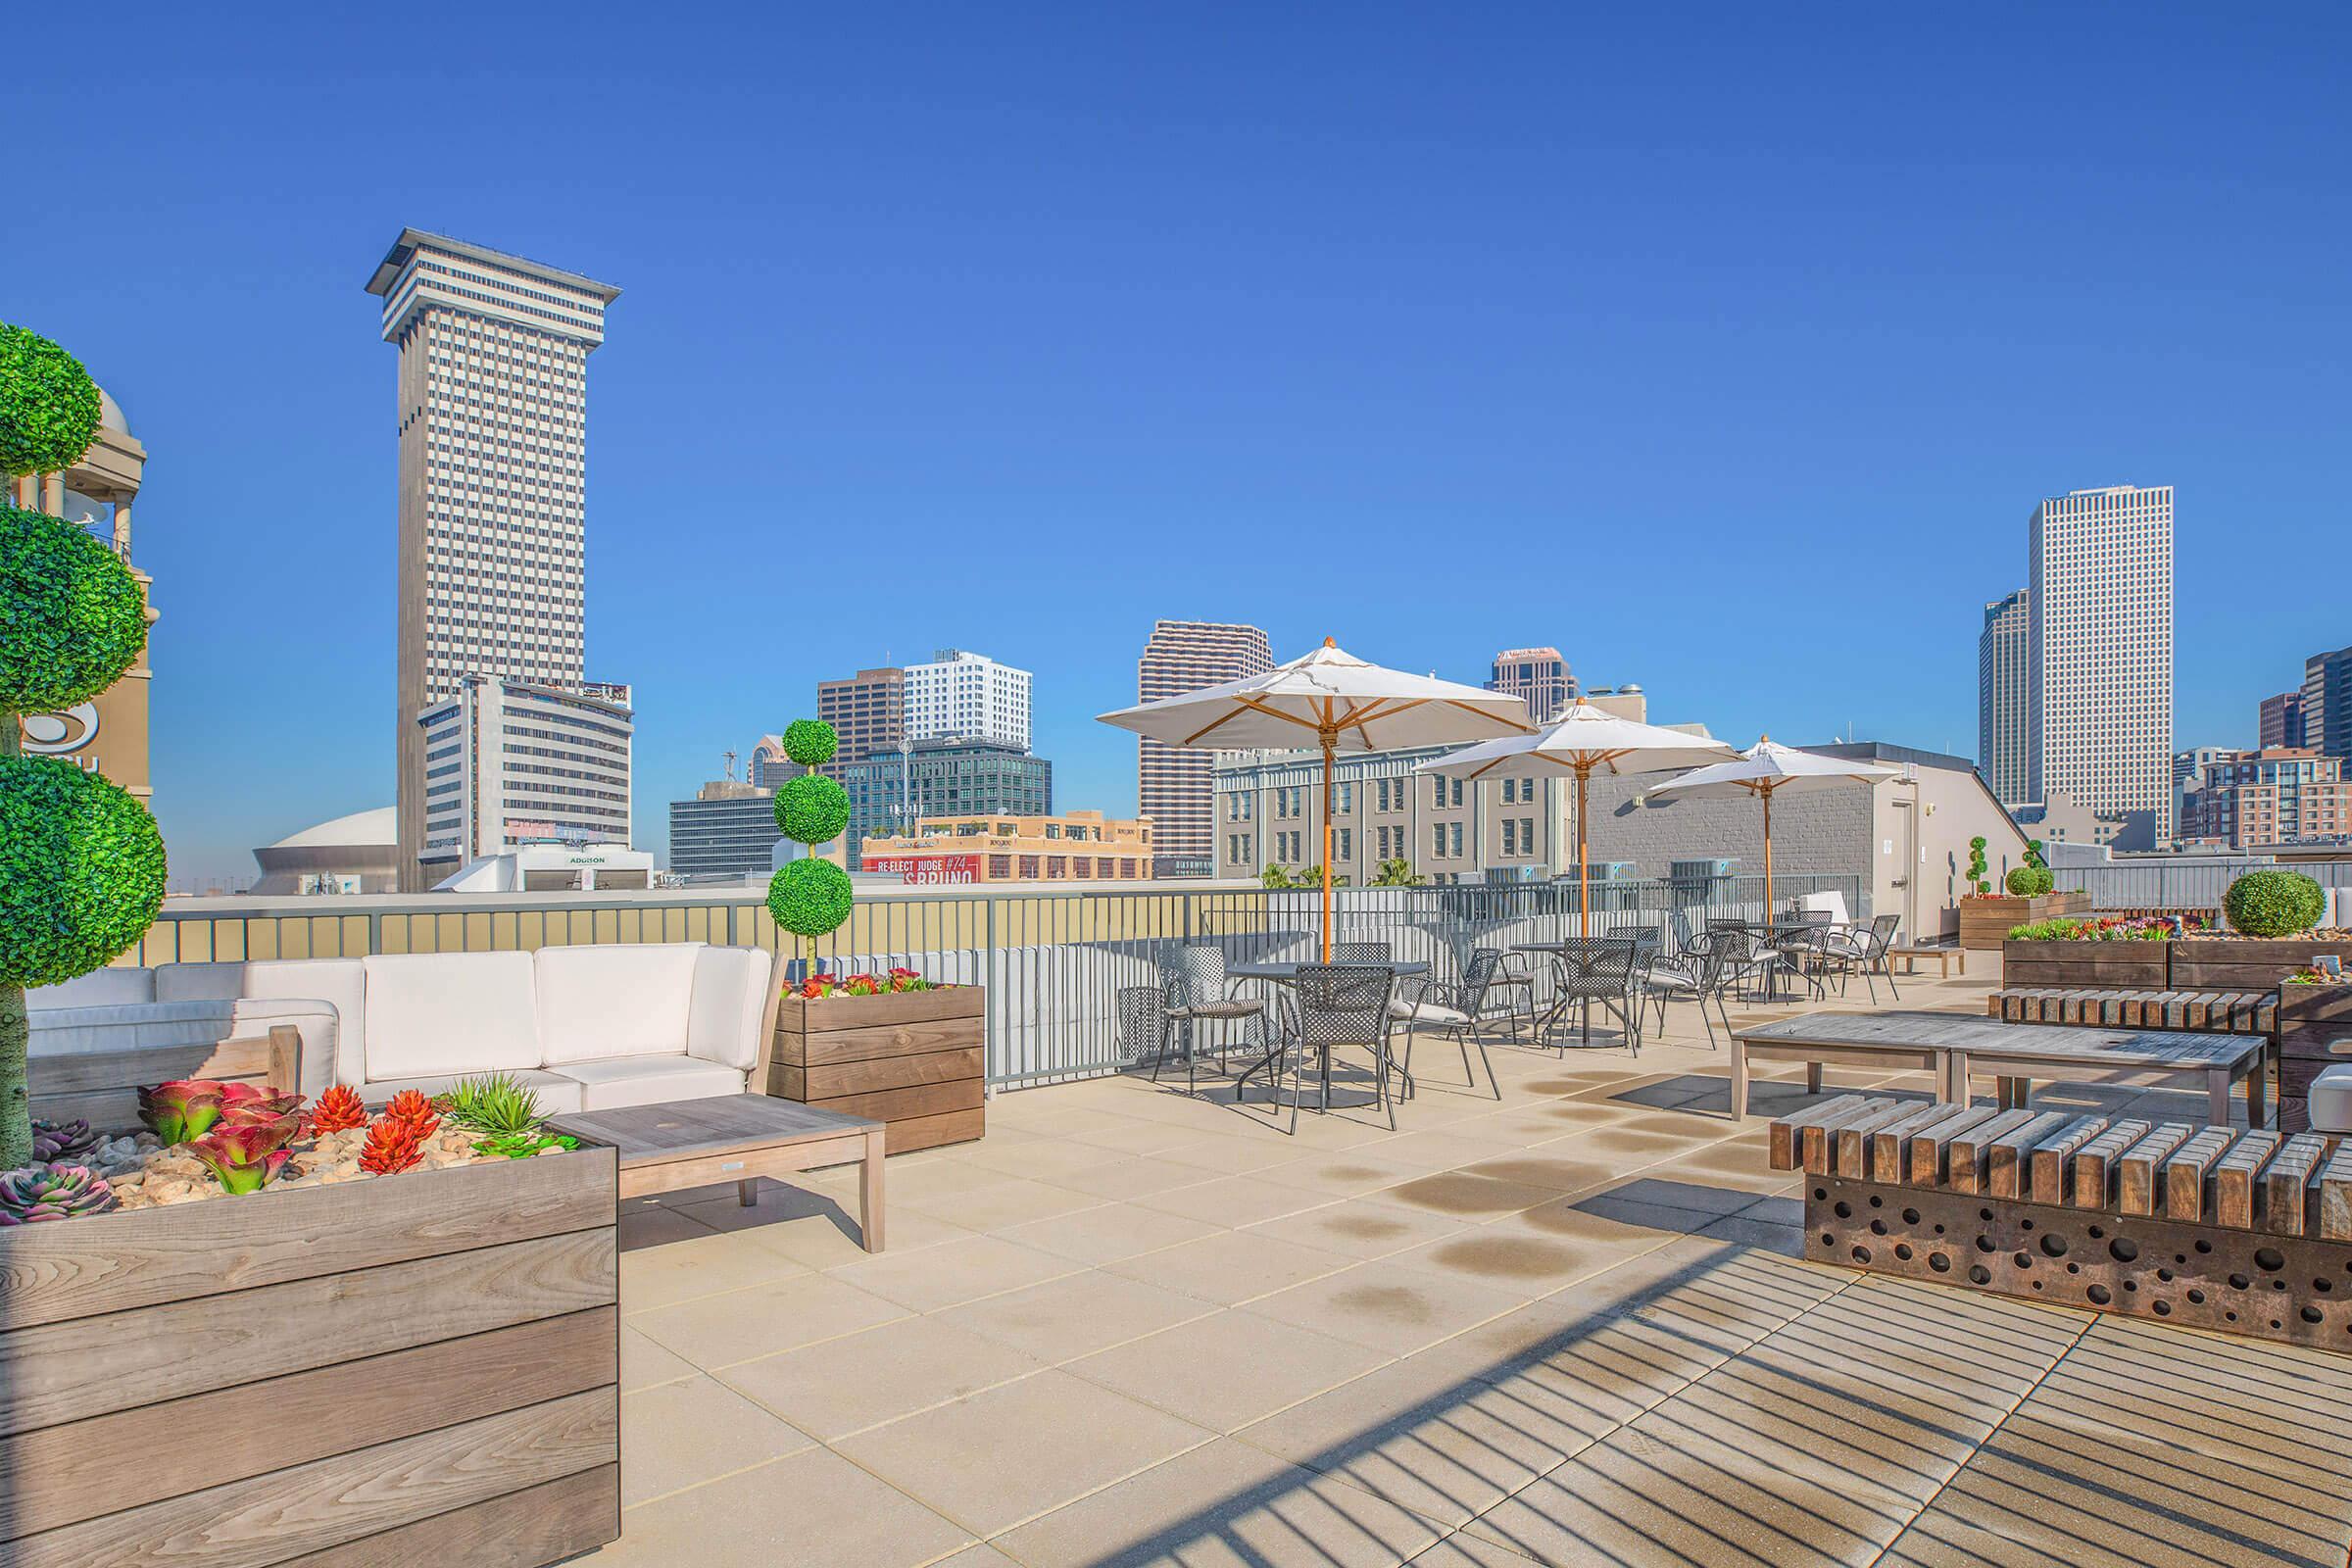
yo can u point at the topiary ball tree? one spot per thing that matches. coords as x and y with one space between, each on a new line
810 897
81 863
2273 904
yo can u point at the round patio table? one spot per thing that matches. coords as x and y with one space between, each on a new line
1288 974
1644 938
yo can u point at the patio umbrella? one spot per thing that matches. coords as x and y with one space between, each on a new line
1766 769
1333 700
1586 740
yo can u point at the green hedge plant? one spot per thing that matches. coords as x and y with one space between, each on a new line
810 897
82 862
2030 881
2273 904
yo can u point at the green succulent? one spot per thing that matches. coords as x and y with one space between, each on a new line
82 870
72 616
496 1104
812 809
48 405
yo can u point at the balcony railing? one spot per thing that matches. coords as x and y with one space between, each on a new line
1053 961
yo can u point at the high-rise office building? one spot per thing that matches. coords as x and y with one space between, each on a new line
509 762
969 695
892 791
2283 719
1537 675
867 712
2328 702
2004 663
492 416
726 833
1175 788
2101 683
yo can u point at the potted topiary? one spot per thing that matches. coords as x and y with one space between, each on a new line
2031 898
381 1298
894 1046
2272 914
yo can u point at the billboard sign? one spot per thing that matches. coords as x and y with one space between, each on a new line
927 871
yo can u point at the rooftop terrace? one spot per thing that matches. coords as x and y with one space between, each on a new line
1135 1325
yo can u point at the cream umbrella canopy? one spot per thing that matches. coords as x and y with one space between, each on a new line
1766 769
1334 701
1584 741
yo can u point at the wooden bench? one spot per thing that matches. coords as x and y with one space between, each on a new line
1912 954
2215 1227
2235 1012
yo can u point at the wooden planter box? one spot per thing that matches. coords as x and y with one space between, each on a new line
2214 963
1984 923
916 1061
2313 1022
2075 965
407 1369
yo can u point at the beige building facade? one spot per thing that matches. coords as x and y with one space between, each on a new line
868 715
1175 787
1073 846
108 734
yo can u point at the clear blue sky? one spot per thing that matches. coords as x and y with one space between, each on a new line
1729 354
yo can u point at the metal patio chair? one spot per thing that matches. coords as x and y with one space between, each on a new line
1200 994
1456 1009
1696 973
1337 1004
1596 969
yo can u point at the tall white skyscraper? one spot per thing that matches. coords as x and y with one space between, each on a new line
968 695
2004 664
2101 678
493 452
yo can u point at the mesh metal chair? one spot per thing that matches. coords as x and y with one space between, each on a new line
1456 1009
1339 1004
1508 973
1596 969
1745 955
1805 952
1864 952
1143 1024
1360 953
1696 973
1200 994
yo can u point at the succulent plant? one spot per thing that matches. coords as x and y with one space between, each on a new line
182 1109
62 1142
338 1110
392 1145
246 1155
494 1104
412 1108
35 1193
249 1103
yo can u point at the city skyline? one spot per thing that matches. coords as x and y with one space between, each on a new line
1228 391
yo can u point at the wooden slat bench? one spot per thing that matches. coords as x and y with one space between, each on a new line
2224 1228
2234 1012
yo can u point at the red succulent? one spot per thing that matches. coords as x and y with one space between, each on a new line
412 1108
391 1147
247 1155
338 1110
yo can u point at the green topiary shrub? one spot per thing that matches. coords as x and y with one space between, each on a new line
1975 866
76 619
81 863
48 405
810 897
2020 881
2273 904
812 809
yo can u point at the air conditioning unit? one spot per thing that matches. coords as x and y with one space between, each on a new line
1701 871
1614 870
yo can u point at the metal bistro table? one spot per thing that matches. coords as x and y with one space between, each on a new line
1646 937
1286 974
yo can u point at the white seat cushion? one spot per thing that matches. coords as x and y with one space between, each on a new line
112 987
441 1014
2331 1102
649 1080
557 1095
622 1001
1428 1013
730 1003
332 1056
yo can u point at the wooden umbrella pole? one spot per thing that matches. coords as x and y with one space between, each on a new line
1330 738
1584 867
1767 794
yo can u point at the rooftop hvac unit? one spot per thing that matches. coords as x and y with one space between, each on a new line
1614 870
1700 871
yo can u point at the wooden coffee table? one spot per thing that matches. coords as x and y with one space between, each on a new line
693 1142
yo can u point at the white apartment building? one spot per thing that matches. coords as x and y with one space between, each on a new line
2102 657
968 695
492 416
513 763
2004 697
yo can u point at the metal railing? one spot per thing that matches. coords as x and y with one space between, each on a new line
2184 885
1053 959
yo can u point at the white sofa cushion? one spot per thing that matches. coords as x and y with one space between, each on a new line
128 1026
2331 1102
101 988
730 1003
558 1095
336 1053
435 1014
649 1080
621 1001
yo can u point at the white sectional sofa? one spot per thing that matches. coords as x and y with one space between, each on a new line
587 1028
